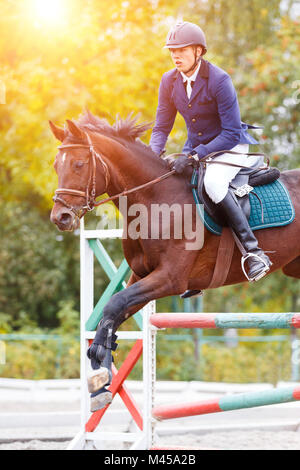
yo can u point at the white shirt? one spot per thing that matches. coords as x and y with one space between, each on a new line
190 79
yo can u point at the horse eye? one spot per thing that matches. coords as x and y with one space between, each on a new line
78 164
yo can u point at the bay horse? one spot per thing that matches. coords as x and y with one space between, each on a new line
96 158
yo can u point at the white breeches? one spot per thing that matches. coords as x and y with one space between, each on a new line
218 177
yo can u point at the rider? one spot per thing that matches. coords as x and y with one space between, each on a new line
206 98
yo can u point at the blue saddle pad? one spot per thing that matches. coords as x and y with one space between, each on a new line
276 201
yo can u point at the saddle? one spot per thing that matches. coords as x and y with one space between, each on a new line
244 183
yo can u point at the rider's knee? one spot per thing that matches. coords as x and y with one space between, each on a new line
215 190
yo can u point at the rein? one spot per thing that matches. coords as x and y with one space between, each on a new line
90 194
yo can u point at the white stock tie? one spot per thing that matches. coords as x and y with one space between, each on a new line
189 87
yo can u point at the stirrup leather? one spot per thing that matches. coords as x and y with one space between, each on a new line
263 272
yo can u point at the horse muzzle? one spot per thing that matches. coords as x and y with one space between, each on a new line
65 220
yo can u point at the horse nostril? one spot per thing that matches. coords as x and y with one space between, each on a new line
65 218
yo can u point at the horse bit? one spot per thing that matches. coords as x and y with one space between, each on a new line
89 195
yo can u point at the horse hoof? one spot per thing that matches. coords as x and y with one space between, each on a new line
100 401
97 379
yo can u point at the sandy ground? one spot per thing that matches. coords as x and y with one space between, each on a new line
34 445
230 440
236 440
19 401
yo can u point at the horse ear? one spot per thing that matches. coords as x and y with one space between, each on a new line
74 129
57 131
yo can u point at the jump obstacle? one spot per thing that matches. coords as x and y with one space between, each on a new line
149 322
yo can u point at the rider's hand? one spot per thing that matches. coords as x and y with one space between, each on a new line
183 162
170 161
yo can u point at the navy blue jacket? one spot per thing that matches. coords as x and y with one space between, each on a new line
212 114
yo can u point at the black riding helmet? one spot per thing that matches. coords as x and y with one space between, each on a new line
185 34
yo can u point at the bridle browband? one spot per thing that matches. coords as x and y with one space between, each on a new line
90 193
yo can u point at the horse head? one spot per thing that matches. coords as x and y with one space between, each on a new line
76 165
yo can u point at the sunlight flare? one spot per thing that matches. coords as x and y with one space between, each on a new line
49 10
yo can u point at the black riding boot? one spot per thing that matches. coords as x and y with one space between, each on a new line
258 262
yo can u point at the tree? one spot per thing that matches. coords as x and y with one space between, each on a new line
235 28
108 59
269 89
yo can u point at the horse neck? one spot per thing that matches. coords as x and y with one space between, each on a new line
126 168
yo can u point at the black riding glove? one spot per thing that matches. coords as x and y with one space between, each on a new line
183 162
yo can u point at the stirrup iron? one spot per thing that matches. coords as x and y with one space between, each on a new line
262 273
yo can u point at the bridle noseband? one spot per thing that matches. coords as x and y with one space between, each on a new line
90 193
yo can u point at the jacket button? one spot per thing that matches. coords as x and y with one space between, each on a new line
199 133
189 105
193 120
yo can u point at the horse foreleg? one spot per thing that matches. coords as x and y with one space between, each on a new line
102 377
293 268
123 304
132 310
120 307
126 302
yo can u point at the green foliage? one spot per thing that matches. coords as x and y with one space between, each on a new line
246 363
5 323
108 59
41 358
175 360
237 27
269 91
277 293
30 360
69 346
38 268
68 318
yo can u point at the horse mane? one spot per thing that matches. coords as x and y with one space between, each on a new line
126 131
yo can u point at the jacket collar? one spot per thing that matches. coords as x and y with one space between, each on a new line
192 77
204 69
202 75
